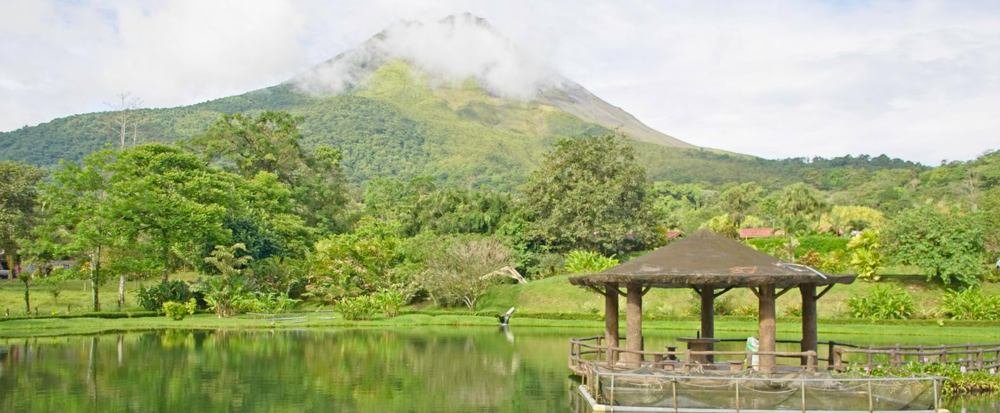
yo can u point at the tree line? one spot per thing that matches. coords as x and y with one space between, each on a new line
267 221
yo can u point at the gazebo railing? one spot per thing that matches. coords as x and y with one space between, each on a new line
588 350
831 347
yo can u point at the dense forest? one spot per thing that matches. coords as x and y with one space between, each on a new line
269 219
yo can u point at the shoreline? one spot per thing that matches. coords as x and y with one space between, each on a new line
909 330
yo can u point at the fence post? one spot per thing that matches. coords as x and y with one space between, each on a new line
838 359
737 395
612 389
829 355
803 395
811 361
871 400
673 391
937 400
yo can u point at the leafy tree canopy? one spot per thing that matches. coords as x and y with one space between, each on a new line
590 194
947 246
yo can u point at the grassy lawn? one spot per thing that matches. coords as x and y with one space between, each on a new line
556 295
549 303
74 296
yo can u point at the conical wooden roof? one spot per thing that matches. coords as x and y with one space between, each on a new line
708 259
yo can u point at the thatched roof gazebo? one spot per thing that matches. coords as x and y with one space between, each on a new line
711 265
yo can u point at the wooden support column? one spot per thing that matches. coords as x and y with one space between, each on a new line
611 319
766 324
708 318
707 312
634 320
810 336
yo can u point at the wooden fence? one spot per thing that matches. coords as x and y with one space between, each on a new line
970 357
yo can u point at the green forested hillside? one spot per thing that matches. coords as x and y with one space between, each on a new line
400 125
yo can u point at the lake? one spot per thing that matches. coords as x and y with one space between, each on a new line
417 369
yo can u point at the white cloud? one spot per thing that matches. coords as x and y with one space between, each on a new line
918 80
452 49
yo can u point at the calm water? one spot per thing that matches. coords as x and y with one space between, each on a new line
371 370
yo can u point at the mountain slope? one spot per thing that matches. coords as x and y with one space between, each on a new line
397 107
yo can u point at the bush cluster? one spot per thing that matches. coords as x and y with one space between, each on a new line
366 307
362 307
178 311
578 262
883 303
178 291
958 383
971 304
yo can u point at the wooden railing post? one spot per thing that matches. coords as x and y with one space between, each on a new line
811 362
837 359
829 355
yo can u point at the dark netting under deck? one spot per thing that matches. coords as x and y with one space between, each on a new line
791 392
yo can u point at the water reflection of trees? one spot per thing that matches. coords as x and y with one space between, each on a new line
358 370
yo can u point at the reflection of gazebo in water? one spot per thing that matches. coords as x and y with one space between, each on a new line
711 265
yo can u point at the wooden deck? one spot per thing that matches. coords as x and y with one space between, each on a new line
679 380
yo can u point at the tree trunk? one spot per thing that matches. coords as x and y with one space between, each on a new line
95 278
166 261
12 268
12 271
121 291
27 296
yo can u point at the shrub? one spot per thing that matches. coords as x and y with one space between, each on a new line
153 298
971 304
547 265
389 301
362 307
578 261
812 259
271 303
461 272
178 311
769 245
883 303
865 256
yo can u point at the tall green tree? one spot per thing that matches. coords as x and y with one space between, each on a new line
271 142
739 200
78 221
947 246
171 199
18 196
590 194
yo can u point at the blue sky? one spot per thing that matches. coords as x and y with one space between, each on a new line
918 79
